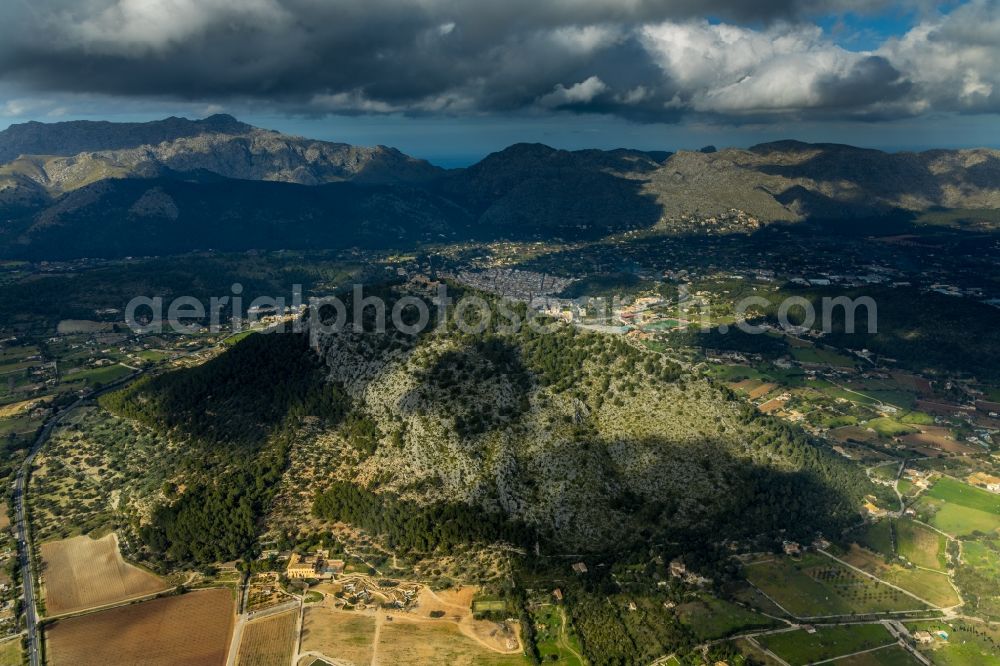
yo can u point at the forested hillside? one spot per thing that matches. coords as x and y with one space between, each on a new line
568 438
234 419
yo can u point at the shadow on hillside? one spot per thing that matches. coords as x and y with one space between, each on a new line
874 172
689 497
238 398
533 191
453 386
745 502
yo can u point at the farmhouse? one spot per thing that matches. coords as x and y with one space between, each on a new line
303 566
313 566
923 637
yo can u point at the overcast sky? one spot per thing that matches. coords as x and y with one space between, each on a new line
451 80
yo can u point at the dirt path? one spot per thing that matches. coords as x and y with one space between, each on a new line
376 639
564 637
234 643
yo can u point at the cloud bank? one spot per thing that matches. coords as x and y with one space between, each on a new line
644 60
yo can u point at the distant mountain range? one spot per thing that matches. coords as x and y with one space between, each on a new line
106 189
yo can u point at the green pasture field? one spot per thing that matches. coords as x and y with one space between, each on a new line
963 494
887 427
921 546
980 556
955 519
889 656
799 647
710 618
94 376
825 356
817 586
933 586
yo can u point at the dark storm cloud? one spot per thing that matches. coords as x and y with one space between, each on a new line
870 83
452 56
400 50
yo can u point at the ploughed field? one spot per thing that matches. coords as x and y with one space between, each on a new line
193 629
82 573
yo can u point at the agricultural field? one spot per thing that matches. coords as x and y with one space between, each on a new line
192 629
799 647
345 636
888 656
933 439
735 373
959 509
710 618
817 586
269 641
406 643
81 573
851 433
921 546
488 605
968 644
982 556
816 355
886 427
98 376
931 586
963 494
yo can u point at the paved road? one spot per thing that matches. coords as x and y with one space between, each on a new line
23 533
24 553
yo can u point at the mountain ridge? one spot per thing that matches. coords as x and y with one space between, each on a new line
526 191
60 157
71 137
